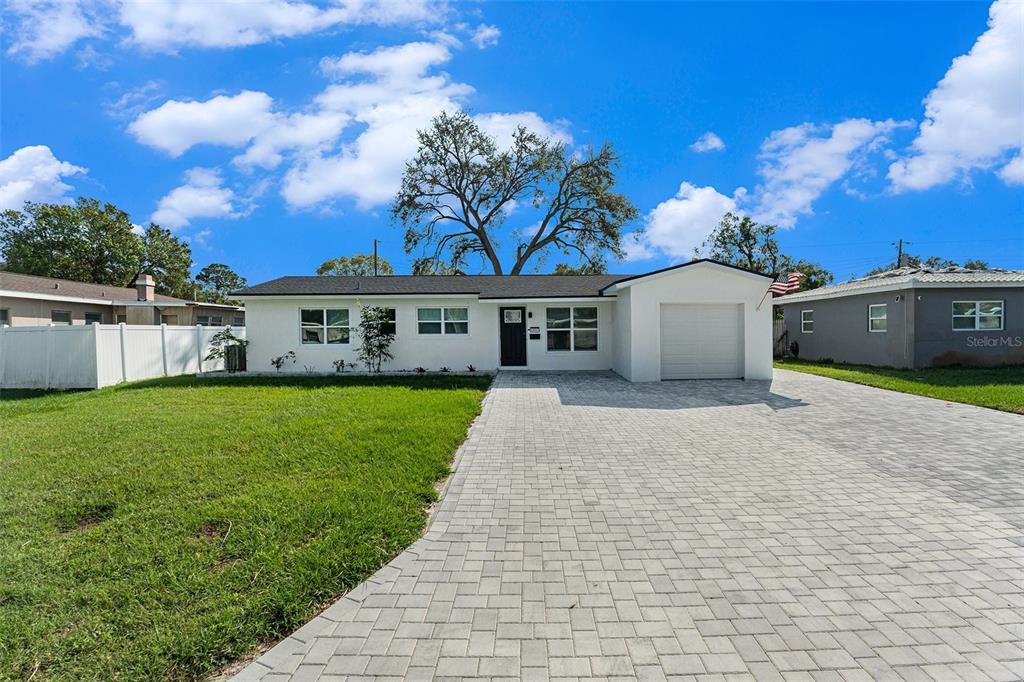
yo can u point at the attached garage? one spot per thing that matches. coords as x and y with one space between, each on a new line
698 320
701 341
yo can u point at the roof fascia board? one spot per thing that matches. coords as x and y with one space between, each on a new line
61 299
547 299
656 274
292 297
911 284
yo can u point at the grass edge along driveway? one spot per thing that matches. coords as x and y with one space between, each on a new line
164 529
998 388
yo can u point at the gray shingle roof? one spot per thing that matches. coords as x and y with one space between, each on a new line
485 286
51 286
910 277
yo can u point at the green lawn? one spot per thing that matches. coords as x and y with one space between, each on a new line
163 529
1001 388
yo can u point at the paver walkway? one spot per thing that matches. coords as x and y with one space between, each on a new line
811 529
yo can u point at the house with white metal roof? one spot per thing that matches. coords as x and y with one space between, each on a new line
911 317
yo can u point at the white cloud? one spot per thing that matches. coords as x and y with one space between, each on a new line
297 131
34 174
502 126
230 121
45 28
352 140
708 142
801 162
677 226
486 36
974 117
391 94
1013 172
202 196
397 64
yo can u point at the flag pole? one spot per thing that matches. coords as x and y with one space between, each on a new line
766 292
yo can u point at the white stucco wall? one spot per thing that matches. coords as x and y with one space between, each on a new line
272 326
621 315
698 283
539 357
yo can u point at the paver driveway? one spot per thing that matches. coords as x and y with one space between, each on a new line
811 529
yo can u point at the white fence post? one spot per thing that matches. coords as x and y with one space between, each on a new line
49 355
3 358
124 358
163 345
199 347
96 352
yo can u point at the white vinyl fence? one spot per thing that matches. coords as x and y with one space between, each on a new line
97 355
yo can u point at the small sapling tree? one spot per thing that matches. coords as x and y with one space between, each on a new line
374 327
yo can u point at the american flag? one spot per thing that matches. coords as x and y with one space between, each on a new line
787 284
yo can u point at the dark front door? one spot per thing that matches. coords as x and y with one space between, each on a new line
513 336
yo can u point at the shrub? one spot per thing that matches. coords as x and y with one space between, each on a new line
279 361
376 342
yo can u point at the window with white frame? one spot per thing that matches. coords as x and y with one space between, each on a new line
877 321
209 320
442 320
572 328
324 325
977 315
806 321
60 316
390 327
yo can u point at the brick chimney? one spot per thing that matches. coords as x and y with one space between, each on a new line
146 286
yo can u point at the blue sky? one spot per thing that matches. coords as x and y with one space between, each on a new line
271 133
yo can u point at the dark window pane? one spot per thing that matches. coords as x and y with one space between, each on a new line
558 340
584 318
963 322
990 308
337 335
312 335
585 339
337 318
558 318
456 327
312 317
963 308
430 327
428 314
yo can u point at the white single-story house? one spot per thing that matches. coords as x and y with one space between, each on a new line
699 320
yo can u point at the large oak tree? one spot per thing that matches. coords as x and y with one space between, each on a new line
460 190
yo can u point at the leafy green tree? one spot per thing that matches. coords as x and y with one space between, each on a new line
374 330
932 263
459 190
595 268
217 281
739 240
93 242
356 264
87 242
169 260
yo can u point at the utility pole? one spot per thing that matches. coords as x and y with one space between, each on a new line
899 252
376 272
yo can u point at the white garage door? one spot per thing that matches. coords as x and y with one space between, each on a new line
701 342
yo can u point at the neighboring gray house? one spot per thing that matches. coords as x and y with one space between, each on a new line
911 317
